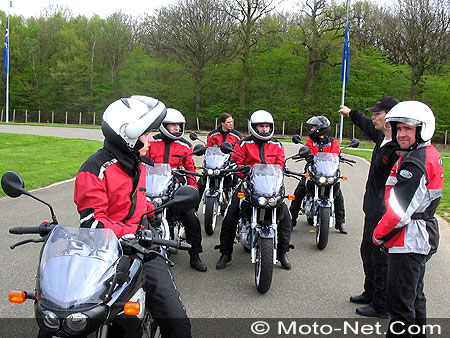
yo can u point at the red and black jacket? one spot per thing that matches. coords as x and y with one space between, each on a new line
110 190
219 136
163 149
325 144
257 151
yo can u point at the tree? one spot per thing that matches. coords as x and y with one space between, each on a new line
247 13
194 33
418 34
320 27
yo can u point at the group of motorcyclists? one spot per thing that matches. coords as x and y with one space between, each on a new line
110 187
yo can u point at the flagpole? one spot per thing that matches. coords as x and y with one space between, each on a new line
7 73
344 67
7 77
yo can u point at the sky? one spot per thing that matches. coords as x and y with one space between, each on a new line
104 8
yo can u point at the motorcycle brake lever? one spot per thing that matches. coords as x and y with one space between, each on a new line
39 240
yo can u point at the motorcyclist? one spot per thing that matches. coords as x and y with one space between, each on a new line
110 193
224 133
319 141
167 147
259 147
408 230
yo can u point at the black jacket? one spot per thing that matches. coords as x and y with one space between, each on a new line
383 159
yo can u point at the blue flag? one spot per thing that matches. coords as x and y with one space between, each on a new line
6 49
345 66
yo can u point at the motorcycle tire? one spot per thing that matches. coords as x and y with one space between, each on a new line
264 264
211 211
323 228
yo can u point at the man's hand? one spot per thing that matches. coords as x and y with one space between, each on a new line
344 110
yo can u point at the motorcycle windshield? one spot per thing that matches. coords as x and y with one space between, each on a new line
76 265
159 179
266 179
326 164
214 158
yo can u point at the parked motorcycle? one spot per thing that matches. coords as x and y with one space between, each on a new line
262 193
217 195
162 183
89 283
322 174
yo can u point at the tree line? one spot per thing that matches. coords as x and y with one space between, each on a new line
206 57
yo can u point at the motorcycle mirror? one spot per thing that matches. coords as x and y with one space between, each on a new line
186 198
226 148
13 184
304 152
296 139
193 136
199 150
354 143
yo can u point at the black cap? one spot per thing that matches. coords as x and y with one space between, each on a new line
385 103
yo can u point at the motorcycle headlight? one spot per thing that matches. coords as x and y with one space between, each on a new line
272 201
157 201
322 180
262 200
50 319
216 172
330 180
76 322
210 172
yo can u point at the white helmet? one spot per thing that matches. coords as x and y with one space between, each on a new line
259 117
128 118
173 116
414 113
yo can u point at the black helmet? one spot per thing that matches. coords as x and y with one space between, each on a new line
322 124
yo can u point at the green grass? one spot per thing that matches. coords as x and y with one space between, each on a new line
444 207
43 160
84 126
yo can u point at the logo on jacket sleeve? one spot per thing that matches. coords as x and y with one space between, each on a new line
405 174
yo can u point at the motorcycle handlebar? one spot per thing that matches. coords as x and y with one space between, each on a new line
172 243
343 159
24 230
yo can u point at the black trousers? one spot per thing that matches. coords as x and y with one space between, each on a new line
192 227
406 302
229 225
375 265
300 193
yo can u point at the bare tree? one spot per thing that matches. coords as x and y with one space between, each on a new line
418 34
247 13
320 27
194 33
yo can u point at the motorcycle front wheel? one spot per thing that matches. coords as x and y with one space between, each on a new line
211 212
264 264
323 227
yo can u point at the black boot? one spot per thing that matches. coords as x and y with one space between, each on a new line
293 223
197 264
284 260
223 260
341 228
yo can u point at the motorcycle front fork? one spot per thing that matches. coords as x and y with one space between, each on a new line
258 231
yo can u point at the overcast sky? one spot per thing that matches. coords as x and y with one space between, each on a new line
103 8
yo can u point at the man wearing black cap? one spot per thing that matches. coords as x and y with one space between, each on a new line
384 157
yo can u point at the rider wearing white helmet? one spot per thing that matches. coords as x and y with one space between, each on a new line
408 230
167 148
110 193
260 147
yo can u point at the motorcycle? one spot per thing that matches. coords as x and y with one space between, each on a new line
217 195
89 283
262 193
161 183
322 174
